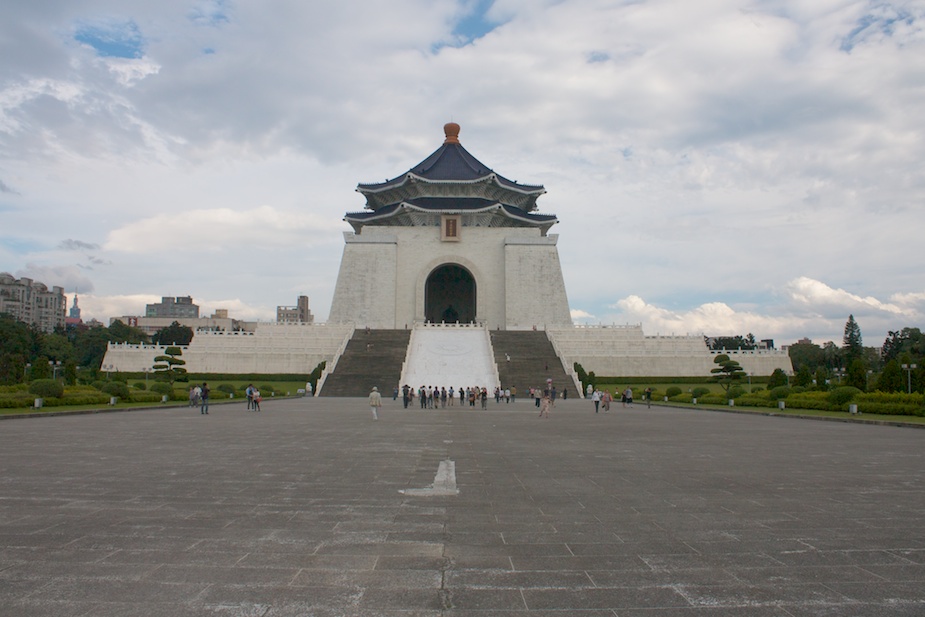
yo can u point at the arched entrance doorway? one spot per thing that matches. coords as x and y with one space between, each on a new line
449 295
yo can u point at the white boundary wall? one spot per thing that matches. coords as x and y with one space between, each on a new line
625 351
271 348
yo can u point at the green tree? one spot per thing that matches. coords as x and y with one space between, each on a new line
719 343
907 340
121 333
856 375
804 377
174 334
57 347
852 346
822 378
778 378
727 373
806 354
891 378
40 369
169 366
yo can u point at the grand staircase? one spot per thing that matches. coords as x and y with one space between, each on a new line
371 358
533 360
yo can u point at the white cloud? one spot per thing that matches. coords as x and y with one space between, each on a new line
220 229
719 159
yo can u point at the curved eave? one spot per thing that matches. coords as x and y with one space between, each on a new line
358 219
526 189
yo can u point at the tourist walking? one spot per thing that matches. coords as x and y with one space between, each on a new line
606 397
596 399
204 398
628 396
375 402
545 404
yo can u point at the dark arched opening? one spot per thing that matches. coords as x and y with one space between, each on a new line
449 295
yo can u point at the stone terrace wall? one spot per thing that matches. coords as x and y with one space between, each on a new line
627 352
271 348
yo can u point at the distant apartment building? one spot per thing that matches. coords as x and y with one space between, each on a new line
31 302
299 313
181 306
218 322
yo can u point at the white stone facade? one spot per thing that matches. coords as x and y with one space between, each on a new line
384 272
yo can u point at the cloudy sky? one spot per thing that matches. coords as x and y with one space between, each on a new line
717 167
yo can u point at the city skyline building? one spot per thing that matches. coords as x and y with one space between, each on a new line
32 302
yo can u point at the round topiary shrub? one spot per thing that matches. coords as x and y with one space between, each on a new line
780 392
843 395
162 387
227 388
672 391
735 392
98 384
46 388
116 388
140 385
266 391
757 389
797 389
699 391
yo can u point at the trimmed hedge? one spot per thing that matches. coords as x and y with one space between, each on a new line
117 388
46 388
162 387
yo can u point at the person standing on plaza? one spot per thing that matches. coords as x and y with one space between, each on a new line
375 402
513 394
648 396
404 395
545 404
596 399
628 396
249 393
255 396
606 398
564 394
204 398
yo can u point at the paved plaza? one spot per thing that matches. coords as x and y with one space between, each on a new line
297 510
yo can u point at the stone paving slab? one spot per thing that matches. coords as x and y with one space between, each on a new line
297 510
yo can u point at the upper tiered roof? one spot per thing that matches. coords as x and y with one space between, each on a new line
450 181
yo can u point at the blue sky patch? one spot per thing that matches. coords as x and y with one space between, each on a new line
212 13
113 39
871 24
598 56
474 24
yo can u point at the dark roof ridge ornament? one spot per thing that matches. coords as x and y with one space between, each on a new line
451 130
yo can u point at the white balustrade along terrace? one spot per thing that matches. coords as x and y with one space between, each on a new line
445 355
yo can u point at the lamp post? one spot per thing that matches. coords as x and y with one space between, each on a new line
909 368
54 368
146 370
25 371
108 368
